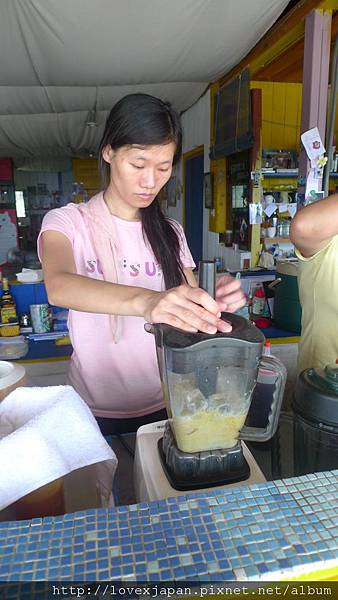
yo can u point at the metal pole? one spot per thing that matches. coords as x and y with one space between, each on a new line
207 276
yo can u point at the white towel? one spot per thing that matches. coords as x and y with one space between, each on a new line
45 433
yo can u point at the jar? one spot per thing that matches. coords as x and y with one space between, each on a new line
228 238
46 501
283 228
286 228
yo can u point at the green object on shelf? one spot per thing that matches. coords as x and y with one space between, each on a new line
287 309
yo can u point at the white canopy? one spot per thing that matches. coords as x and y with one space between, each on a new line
61 59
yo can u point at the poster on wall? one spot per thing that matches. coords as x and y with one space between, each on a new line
6 169
8 232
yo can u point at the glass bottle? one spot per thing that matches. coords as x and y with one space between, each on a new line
7 305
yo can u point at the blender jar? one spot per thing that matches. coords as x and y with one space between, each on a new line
209 408
208 381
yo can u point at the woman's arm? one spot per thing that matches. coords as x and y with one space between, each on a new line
186 307
314 225
66 288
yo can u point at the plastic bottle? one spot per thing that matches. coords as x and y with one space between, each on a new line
267 348
258 301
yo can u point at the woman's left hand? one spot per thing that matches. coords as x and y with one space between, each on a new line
229 294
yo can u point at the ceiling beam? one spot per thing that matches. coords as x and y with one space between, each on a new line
280 38
289 61
288 66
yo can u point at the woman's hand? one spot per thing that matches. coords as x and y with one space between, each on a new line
188 308
229 294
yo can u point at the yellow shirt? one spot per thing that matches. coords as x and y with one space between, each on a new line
318 293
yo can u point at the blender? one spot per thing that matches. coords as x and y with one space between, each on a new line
315 407
208 382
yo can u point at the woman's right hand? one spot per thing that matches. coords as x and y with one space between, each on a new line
188 308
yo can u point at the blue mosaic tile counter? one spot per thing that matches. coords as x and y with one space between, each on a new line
270 531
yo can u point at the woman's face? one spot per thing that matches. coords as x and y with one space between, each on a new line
137 174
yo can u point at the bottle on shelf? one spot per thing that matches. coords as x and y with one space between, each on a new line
8 315
258 302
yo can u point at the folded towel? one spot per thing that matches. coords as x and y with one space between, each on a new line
45 433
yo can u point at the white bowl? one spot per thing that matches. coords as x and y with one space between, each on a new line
30 276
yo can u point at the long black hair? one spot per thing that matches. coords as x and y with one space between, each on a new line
146 120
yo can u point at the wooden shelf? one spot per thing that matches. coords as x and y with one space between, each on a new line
275 175
276 240
291 175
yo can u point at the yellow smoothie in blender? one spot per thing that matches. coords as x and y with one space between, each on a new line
201 423
207 430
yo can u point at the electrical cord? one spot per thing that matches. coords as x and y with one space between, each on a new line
109 440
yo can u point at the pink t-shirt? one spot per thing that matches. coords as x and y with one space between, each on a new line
117 380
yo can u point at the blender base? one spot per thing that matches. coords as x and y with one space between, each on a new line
235 473
194 470
150 481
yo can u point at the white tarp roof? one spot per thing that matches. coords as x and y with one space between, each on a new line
59 59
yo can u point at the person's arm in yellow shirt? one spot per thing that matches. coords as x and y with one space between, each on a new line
315 225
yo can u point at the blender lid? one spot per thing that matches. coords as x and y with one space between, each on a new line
316 394
242 330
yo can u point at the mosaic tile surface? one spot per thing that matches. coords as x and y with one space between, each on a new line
263 531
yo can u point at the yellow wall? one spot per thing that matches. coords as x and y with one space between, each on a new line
281 114
217 216
85 170
281 118
281 121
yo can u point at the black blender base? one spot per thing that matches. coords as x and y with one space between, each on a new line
186 481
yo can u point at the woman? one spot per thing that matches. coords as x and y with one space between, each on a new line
314 232
117 262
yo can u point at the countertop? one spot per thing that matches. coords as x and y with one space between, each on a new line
285 528
35 293
48 349
264 532
282 529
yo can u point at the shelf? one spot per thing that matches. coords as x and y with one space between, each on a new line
292 174
52 335
276 175
276 240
